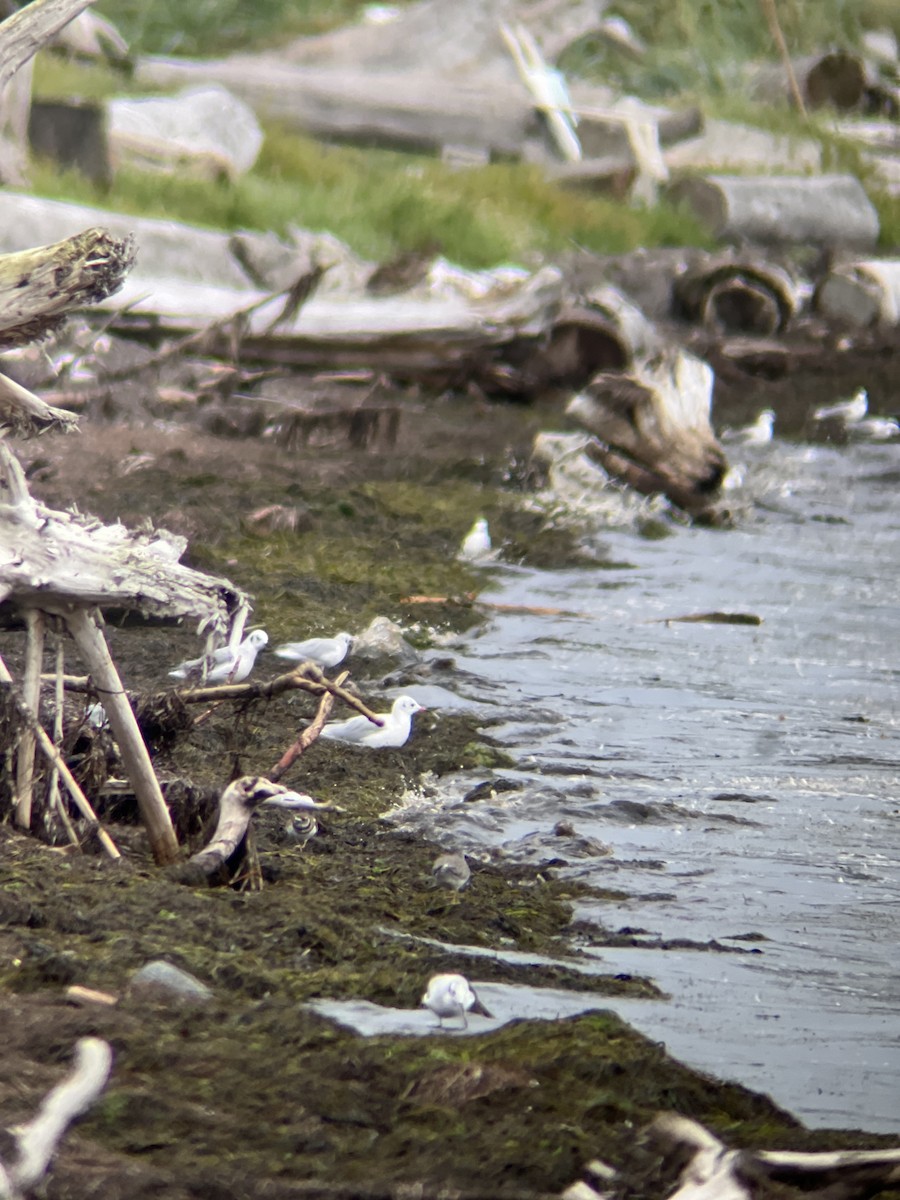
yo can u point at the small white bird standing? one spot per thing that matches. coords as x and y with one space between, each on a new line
849 411
874 429
452 996
477 542
451 871
757 434
360 731
227 664
323 651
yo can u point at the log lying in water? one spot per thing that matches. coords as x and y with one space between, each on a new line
864 292
653 426
825 210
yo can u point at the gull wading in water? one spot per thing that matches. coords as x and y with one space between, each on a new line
849 411
452 996
477 542
226 665
323 651
874 429
451 871
757 434
360 731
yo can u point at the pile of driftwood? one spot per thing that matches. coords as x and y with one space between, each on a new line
705 1169
60 571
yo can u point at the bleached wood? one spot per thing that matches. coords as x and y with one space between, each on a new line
825 210
23 34
54 798
43 739
154 813
714 1172
37 1141
31 694
862 292
39 287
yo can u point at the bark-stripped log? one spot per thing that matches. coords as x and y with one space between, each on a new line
39 287
653 425
708 1170
736 295
825 210
865 292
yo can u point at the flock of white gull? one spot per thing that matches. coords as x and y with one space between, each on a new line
850 415
447 995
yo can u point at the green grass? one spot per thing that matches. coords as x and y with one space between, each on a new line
383 202
379 202
204 28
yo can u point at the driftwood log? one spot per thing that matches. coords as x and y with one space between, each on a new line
215 863
653 428
862 293
710 1171
837 79
62 566
824 210
737 294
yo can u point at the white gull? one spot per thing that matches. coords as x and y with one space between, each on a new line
323 651
360 731
452 996
477 542
849 411
229 664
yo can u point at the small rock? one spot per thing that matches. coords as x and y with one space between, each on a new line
162 979
384 637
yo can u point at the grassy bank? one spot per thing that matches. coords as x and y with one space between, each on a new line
382 203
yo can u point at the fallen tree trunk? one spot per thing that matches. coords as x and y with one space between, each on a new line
865 292
415 110
825 210
40 287
23 34
836 78
737 295
653 425
713 1172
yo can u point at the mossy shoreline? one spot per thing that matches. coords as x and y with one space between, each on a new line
254 1094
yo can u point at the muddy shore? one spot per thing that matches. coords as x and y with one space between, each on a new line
252 1094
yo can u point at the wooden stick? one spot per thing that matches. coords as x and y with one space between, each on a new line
308 735
154 813
37 1141
23 34
771 14
54 798
81 801
31 694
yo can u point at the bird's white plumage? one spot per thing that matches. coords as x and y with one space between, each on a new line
229 664
874 429
452 996
360 731
477 542
324 651
757 434
849 411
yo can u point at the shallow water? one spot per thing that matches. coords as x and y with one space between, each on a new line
745 777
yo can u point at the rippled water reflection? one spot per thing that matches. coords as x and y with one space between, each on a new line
745 777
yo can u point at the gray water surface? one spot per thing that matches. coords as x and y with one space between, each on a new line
745 777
